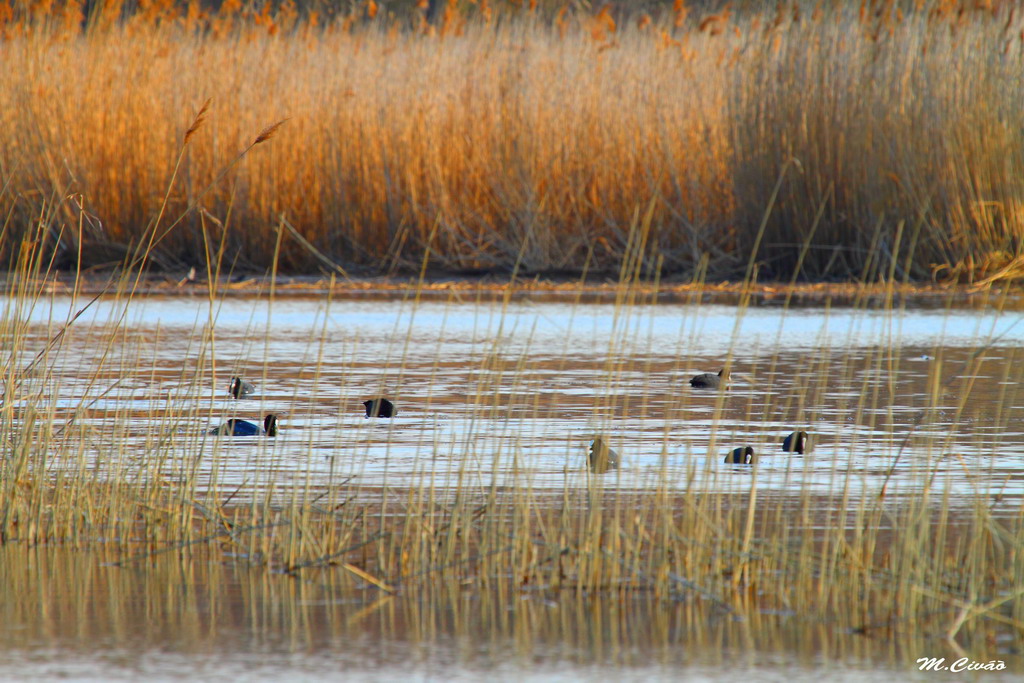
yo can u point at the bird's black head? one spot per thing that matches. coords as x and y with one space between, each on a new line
270 424
239 387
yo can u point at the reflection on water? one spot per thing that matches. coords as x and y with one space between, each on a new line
67 614
508 396
516 393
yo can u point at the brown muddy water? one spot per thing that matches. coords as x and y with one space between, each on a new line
491 394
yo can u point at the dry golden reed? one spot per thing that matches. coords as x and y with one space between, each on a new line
198 121
268 132
848 142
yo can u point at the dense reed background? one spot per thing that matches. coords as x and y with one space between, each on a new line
827 140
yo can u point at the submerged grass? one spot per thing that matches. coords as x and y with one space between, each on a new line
216 609
806 141
858 559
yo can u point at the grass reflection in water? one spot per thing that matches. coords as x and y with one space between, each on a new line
470 522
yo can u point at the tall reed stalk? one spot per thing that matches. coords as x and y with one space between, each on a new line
537 139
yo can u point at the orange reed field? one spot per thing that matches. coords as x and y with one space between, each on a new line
818 140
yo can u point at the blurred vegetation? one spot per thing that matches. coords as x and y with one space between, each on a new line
813 140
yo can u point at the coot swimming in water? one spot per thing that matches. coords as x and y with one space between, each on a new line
797 442
380 407
707 380
740 456
239 388
236 427
601 458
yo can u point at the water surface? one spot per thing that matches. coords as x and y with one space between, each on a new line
514 393
489 394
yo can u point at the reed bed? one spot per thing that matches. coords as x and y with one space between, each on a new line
866 561
214 608
839 142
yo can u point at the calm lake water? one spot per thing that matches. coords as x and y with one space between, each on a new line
487 394
515 393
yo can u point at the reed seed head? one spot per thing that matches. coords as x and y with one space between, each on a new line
268 132
198 121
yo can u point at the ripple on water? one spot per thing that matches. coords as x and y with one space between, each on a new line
514 396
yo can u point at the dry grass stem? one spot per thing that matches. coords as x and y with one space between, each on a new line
534 142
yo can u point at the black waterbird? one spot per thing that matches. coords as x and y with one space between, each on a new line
380 407
601 458
707 380
236 427
797 442
740 456
239 388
